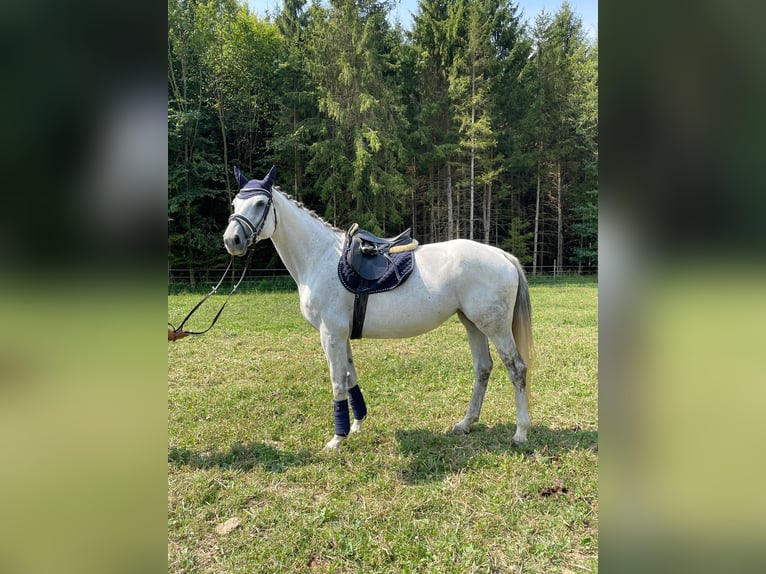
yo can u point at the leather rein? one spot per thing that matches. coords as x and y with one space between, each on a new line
251 233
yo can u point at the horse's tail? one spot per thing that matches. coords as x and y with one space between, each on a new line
522 318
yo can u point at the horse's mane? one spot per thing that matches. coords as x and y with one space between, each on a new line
305 208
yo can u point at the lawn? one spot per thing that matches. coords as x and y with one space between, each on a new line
251 490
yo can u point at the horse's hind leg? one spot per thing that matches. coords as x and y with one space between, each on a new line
482 367
517 372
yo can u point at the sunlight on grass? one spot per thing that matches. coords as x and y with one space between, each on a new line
250 407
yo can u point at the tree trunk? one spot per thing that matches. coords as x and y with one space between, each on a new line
486 210
435 209
497 230
458 211
450 213
189 260
537 224
434 212
559 219
473 151
414 212
222 124
471 195
296 167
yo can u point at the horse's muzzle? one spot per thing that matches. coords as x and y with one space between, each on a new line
233 240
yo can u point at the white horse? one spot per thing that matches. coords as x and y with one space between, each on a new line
484 285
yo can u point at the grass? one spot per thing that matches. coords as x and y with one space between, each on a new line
250 408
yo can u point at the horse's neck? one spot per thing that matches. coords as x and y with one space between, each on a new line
301 239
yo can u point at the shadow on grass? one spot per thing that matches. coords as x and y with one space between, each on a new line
434 455
241 457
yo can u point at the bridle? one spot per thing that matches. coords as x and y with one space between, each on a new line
252 231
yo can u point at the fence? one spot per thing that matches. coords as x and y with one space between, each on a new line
208 277
204 276
565 270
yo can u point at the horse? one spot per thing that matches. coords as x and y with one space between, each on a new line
485 286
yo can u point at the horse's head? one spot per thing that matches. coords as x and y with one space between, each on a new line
254 217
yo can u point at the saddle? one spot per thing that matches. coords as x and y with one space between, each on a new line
371 264
369 255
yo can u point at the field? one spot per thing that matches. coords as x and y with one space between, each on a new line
251 490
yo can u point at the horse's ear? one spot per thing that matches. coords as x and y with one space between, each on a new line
268 181
241 179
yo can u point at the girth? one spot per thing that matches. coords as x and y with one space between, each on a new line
371 264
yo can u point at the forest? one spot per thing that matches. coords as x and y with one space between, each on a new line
473 124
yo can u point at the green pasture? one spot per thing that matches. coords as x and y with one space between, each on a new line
251 490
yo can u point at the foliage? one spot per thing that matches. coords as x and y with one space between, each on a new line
359 158
456 128
518 240
563 113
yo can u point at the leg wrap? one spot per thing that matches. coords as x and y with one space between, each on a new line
342 422
357 403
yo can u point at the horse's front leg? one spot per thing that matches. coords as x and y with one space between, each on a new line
358 406
337 350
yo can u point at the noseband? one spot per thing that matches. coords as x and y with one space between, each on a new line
252 231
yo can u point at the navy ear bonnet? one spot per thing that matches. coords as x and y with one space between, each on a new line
254 186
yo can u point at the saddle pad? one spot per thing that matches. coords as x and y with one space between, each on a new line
403 262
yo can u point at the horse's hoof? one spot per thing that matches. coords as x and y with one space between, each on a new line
461 428
519 438
356 427
334 443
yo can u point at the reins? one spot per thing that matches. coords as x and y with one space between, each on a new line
251 237
179 332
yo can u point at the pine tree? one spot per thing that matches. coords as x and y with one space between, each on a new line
437 138
298 125
469 92
359 158
562 120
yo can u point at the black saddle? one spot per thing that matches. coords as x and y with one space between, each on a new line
369 255
370 264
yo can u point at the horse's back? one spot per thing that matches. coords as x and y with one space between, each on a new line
447 277
468 264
